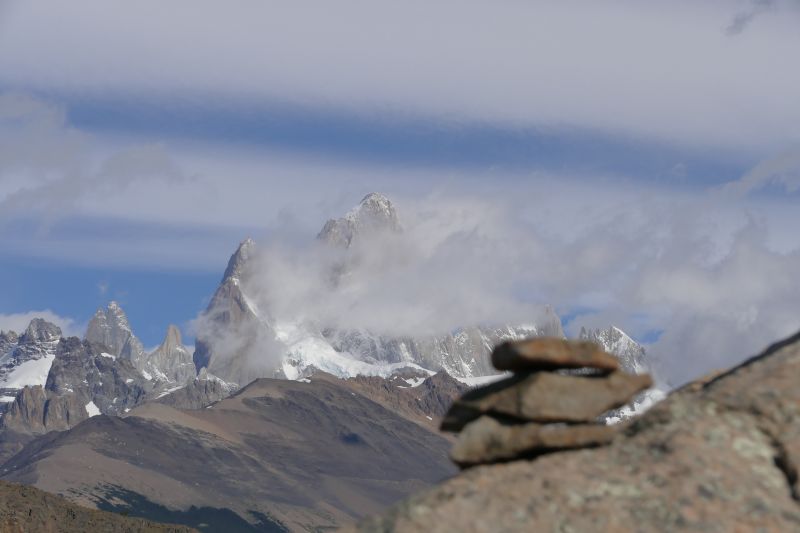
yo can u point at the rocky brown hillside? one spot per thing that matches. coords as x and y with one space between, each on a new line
26 509
715 456
277 455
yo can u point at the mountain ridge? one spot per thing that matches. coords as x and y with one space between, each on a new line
239 340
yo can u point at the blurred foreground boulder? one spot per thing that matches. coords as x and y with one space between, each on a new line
720 455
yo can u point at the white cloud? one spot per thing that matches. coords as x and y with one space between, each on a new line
666 70
648 263
712 270
744 18
18 322
102 288
782 169
48 169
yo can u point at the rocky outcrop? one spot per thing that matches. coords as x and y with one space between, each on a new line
488 440
547 397
8 340
201 392
109 327
168 365
540 409
171 362
552 353
83 380
374 214
230 329
719 455
39 331
37 411
410 393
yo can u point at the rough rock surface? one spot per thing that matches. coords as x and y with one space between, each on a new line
8 339
25 509
487 440
230 329
547 397
109 327
172 361
201 392
418 397
26 359
721 456
82 378
375 213
552 353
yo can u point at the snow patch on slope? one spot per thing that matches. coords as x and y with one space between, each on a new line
33 372
92 409
306 351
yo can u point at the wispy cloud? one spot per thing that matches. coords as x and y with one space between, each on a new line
582 224
49 168
654 264
610 66
782 170
744 18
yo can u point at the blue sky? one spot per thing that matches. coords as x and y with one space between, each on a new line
637 153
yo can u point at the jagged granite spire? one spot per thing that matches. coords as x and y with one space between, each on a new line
239 259
229 313
374 214
109 327
171 361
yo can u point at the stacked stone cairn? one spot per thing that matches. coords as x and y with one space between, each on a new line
553 401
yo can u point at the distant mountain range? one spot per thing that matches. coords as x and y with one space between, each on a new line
277 454
239 340
337 422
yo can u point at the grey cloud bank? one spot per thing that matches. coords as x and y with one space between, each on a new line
664 70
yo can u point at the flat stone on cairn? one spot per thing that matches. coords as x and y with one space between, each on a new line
547 353
539 409
487 440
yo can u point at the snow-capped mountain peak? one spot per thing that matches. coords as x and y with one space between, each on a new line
374 207
239 337
26 359
374 214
